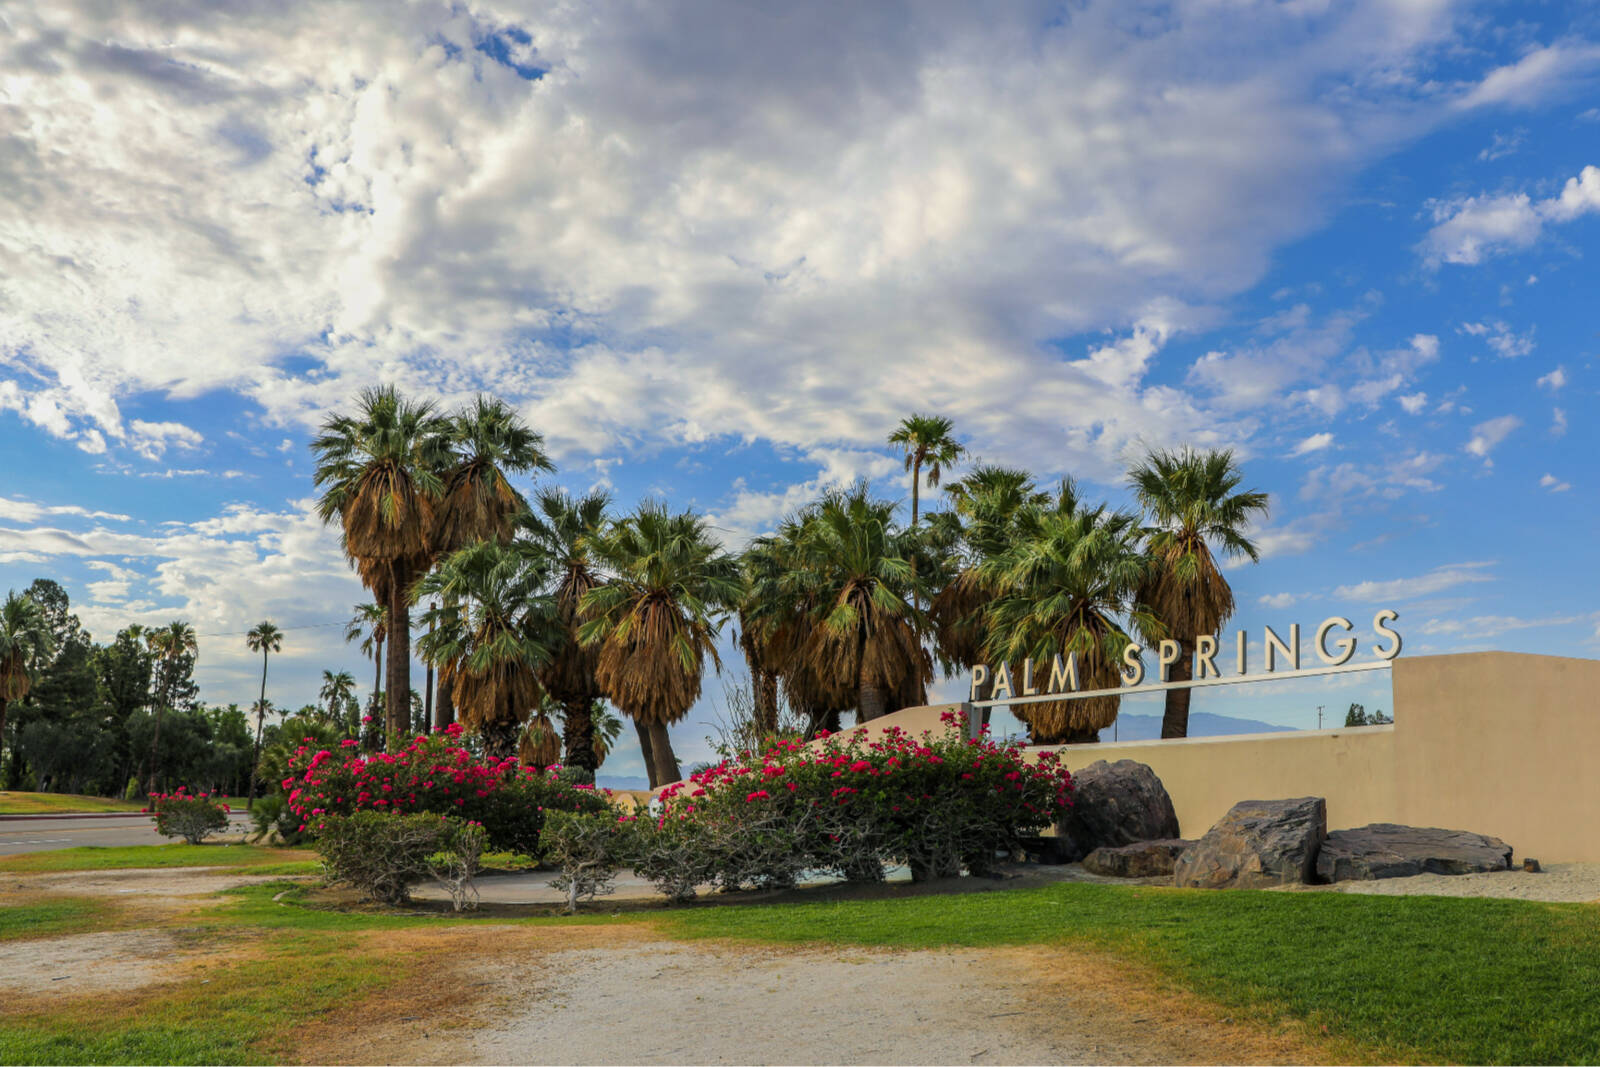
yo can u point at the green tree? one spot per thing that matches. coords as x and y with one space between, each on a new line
496 639
565 529
26 645
1191 502
379 473
927 441
264 638
656 621
168 643
369 625
337 689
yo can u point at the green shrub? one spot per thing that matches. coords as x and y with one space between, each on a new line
272 814
191 816
383 855
586 849
672 852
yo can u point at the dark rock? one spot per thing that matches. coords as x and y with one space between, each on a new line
1258 843
1048 850
1531 865
1142 859
1116 804
1387 850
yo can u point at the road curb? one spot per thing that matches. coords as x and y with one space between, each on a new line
76 815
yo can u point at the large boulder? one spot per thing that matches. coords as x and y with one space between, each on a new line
1387 850
1115 804
1258 843
1142 859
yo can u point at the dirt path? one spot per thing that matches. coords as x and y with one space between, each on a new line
668 1002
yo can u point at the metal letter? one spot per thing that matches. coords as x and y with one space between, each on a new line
1135 672
1166 655
1378 627
1244 644
1028 688
1002 679
1291 650
1063 676
1205 657
980 674
1347 644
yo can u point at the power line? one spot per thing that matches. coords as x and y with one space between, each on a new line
308 626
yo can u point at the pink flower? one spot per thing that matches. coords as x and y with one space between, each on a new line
759 794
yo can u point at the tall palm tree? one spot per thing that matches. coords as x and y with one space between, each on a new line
369 625
854 572
379 471
26 645
264 638
488 441
337 689
1191 502
566 529
170 643
763 614
1062 587
926 440
656 621
495 639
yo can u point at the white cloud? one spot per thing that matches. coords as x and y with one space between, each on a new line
1504 144
1279 601
1414 403
1554 484
1554 380
1315 443
1479 627
1486 435
15 510
1471 229
152 439
1435 581
1500 337
1539 73
1558 422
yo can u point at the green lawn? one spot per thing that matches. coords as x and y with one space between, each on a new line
1456 979
260 860
59 804
47 918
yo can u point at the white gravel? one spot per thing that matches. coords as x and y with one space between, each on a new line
1557 883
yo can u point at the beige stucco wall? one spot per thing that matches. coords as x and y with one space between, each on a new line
1494 742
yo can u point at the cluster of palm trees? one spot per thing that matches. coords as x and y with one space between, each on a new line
540 608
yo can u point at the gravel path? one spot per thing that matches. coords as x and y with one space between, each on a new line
1557 883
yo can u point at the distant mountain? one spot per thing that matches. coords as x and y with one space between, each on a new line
622 781
1201 724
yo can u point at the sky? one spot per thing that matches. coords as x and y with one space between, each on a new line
715 251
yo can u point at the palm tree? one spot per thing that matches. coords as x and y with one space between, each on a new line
379 472
657 620
337 689
566 530
1060 588
369 625
1191 503
26 645
762 614
264 638
495 639
854 572
489 441
927 440
170 643
607 727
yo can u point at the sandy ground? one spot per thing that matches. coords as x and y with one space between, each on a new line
148 885
1557 883
741 1004
85 963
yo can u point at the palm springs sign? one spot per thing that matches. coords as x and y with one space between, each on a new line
1333 643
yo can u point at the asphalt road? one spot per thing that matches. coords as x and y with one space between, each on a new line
42 833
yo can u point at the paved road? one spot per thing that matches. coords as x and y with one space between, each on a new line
45 832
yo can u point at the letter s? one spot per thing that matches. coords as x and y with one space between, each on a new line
1378 627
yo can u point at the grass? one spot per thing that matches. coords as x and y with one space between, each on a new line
60 804
50 917
1427 978
260 860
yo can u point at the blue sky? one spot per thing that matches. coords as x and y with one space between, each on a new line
715 254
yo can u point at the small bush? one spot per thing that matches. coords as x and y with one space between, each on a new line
383 855
191 816
672 852
271 814
586 849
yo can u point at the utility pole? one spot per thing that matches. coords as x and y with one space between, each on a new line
1319 716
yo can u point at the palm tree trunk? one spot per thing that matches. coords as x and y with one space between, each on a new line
444 702
644 747
3 703
427 689
577 735
766 703
500 738
261 715
1175 717
869 702
398 712
155 744
661 755
916 480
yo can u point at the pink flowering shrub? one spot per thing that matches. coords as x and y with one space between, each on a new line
938 803
435 774
191 816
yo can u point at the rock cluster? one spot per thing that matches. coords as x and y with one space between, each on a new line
1142 859
1259 843
1115 804
1387 850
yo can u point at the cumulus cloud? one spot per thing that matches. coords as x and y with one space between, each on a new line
1554 380
1486 435
1414 403
1435 581
1554 484
1279 601
16 510
1471 229
1315 443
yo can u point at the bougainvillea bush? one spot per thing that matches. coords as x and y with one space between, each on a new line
434 774
191 816
383 855
939 803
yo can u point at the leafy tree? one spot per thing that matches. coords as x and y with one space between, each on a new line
26 645
927 441
656 621
168 643
369 625
1191 501
264 638
1357 716
65 755
565 529
337 690
125 670
379 472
